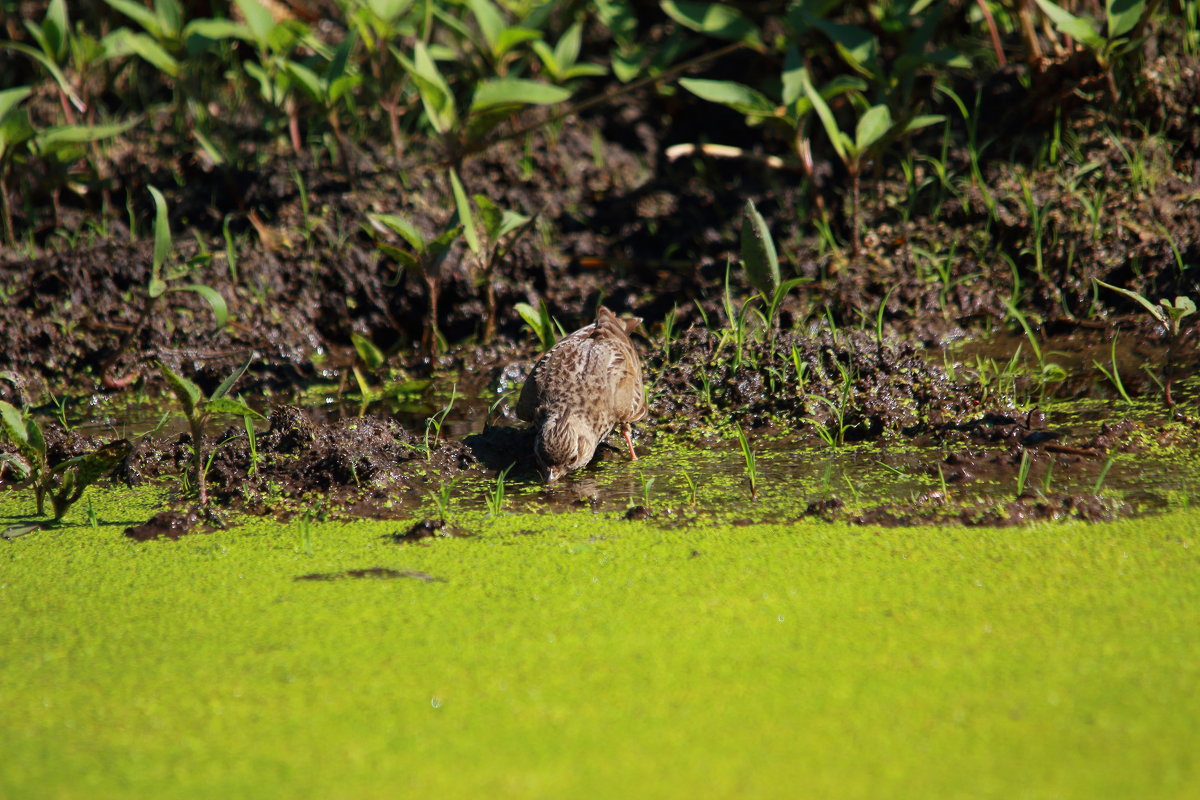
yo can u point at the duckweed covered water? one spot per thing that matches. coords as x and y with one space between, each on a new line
599 658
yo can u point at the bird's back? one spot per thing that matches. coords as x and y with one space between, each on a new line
594 372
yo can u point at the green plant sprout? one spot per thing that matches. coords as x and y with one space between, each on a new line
491 233
546 329
1114 376
1169 314
1023 473
64 483
198 410
425 260
750 460
495 498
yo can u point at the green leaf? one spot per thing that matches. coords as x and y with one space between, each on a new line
228 405
371 355
187 393
200 34
827 120
511 38
55 29
464 214
139 14
533 319
739 97
1154 310
215 299
490 21
758 251
793 76
1075 27
714 19
401 226
11 98
566 52
61 137
515 92
162 241
233 378
1122 16
306 79
872 126
258 20
48 64
151 51
857 46
923 121
14 425
435 93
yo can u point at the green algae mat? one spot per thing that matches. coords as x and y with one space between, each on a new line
601 658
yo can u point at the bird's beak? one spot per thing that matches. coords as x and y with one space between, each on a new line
553 474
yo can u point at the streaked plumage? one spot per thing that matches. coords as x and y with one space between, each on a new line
582 388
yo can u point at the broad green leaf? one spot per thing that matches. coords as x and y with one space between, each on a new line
1073 26
170 16
827 120
403 227
91 467
55 28
1154 310
923 121
232 378
11 98
490 21
857 46
51 67
464 214
338 64
794 75
713 19
59 137
1122 15
139 14
511 221
552 64
436 96
872 126
14 424
584 71
511 38
228 405
214 298
490 215
199 34
371 355
516 92
258 19
306 79
162 239
187 393
758 251
566 52
533 319
737 96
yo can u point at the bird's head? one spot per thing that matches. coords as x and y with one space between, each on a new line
563 444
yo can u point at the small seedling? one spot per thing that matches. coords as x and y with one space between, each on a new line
1023 473
751 464
1114 376
63 484
441 500
691 484
1099 484
647 484
546 329
1168 314
495 498
198 410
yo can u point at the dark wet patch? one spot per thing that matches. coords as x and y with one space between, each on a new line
426 529
167 525
374 573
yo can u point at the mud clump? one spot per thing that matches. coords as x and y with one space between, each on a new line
371 573
165 525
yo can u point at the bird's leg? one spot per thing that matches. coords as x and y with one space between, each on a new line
627 432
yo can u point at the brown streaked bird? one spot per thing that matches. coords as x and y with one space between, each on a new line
580 390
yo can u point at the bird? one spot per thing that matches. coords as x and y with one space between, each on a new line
579 390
